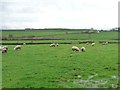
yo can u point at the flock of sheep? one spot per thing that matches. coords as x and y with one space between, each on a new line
75 48
4 49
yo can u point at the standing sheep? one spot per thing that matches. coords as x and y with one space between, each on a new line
83 49
17 47
75 48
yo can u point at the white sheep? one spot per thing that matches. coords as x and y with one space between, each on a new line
17 47
87 43
93 44
104 43
6 47
3 49
24 43
83 49
57 44
52 45
75 48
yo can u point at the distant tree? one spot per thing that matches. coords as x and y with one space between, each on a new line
27 28
92 29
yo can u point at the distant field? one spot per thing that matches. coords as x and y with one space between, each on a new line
64 34
41 66
36 32
96 36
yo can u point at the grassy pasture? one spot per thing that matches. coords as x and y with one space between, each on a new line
96 36
36 32
65 34
41 66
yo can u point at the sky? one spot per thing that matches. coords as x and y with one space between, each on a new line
79 14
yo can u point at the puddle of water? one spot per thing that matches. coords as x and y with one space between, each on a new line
115 77
93 86
79 76
103 82
90 83
95 82
84 81
114 86
89 77
99 81
95 74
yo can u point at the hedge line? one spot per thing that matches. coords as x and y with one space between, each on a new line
59 43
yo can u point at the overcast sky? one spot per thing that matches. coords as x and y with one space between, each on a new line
98 14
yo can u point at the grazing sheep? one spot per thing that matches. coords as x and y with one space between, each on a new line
83 49
3 49
52 45
75 48
6 47
17 47
24 43
87 43
104 43
57 44
93 44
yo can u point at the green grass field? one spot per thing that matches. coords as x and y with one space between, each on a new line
36 32
41 66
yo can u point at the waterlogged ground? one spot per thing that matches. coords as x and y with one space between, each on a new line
41 66
91 82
